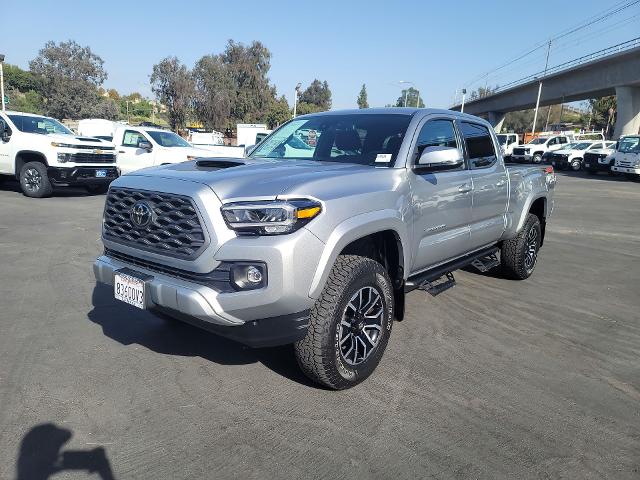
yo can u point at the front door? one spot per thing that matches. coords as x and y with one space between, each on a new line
441 201
490 185
130 156
6 158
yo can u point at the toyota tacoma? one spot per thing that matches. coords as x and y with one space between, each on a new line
315 238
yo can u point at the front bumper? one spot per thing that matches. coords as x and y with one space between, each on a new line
632 171
67 176
597 165
203 307
522 158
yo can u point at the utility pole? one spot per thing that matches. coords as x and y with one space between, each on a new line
464 94
2 81
535 115
295 98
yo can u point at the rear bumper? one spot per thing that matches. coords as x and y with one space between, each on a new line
67 176
632 171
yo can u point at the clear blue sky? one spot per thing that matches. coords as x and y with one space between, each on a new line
437 45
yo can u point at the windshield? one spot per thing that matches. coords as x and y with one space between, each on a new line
168 139
502 139
41 125
365 139
537 141
580 146
629 145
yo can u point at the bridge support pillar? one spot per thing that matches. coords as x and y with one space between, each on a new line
628 121
496 119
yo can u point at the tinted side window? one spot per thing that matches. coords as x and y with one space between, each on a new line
132 139
436 133
479 145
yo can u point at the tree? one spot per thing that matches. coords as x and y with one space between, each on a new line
69 75
602 114
318 94
362 98
233 86
278 113
19 79
173 84
28 102
410 98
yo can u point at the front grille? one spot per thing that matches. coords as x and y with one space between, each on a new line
518 151
593 156
625 163
217 279
93 158
175 229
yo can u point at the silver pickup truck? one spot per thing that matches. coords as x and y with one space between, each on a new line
317 236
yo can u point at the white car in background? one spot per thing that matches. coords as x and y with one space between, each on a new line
507 142
572 156
141 147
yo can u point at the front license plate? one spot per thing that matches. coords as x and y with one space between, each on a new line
553 163
587 165
101 173
129 289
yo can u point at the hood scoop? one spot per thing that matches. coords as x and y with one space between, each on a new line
88 139
218 164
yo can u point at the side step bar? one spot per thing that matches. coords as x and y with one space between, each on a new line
428 281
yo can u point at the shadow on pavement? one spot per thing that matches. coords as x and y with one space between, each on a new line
161 334
12 185
40 455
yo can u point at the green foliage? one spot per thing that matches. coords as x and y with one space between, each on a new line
362 97
69 76
29 101
410 98
303 108
602 114
173 84
521 122
318 94
278 113
20 80
233 87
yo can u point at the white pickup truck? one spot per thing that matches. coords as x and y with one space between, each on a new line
536 148
140 147
573 155
42 154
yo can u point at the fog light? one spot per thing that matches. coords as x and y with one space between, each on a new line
65 157
248 276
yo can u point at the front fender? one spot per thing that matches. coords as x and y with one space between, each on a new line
353 229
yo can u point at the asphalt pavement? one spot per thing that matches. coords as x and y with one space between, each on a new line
492 379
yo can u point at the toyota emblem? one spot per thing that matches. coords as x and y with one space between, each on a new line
141 214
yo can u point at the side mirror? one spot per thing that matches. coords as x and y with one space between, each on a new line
145 146
4 131
439 158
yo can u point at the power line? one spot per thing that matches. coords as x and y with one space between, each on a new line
603 15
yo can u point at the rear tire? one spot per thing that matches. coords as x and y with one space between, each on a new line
34 180
519 255
350 324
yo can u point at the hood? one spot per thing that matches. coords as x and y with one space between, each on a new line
78 140
602 151
232 178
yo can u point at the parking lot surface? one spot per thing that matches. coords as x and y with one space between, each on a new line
492 379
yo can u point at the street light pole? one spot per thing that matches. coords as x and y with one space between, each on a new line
295 98
535 115
464 94
2 81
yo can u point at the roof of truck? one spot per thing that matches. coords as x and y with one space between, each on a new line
389 111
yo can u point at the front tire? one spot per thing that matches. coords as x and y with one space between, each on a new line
34 180
576 165
537 158
350 324
519 255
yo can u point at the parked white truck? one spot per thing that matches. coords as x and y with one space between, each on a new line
536 148
573 155
141 147
508 141
627 157
42 154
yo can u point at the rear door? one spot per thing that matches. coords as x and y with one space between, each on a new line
130 156
490 185
441 200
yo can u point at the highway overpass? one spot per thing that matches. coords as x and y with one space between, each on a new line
613 71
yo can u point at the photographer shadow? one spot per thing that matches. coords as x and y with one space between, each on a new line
41 455
161 334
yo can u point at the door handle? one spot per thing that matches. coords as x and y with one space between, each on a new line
466 188
121 151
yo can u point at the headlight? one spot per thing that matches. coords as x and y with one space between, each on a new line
270 217
65 157
63 145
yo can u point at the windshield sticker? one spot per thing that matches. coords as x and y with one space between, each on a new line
383 157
